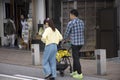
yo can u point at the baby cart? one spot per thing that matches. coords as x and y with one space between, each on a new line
63 60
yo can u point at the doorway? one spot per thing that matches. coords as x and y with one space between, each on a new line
106 32
13 9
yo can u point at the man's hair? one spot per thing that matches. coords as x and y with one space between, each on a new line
74 12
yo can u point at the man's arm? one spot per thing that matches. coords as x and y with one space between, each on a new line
68 31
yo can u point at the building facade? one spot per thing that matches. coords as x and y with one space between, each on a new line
58 10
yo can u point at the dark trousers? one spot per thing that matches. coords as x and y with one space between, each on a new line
76 58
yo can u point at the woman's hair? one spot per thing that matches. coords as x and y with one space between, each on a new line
50 23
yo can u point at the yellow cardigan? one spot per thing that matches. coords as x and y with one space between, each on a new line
49 36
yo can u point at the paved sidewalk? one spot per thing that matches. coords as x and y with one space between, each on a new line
24 58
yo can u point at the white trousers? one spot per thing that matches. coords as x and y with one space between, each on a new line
11 39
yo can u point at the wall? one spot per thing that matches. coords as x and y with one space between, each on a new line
88 12
117 4
2 18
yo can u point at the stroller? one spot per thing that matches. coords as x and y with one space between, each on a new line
63 60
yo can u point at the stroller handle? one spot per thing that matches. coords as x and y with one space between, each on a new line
64 45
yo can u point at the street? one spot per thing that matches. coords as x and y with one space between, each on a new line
18 77
15 72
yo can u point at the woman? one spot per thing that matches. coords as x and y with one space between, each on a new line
51 37
22 23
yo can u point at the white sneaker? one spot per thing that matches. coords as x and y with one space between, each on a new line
74 73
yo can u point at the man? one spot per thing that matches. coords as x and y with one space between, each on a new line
75 31
10 31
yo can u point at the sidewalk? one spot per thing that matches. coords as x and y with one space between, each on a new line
24 58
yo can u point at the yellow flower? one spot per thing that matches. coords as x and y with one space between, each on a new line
62 53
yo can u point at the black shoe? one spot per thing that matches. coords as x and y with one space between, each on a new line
51 78
48 76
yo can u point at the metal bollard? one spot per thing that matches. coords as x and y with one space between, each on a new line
35 54
101 61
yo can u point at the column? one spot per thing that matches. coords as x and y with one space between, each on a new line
1 21
38 11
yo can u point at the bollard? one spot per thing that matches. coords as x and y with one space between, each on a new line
101 61
35 54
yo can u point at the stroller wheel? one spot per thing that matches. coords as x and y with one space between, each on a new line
62 73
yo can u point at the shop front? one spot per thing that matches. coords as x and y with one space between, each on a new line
33 11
